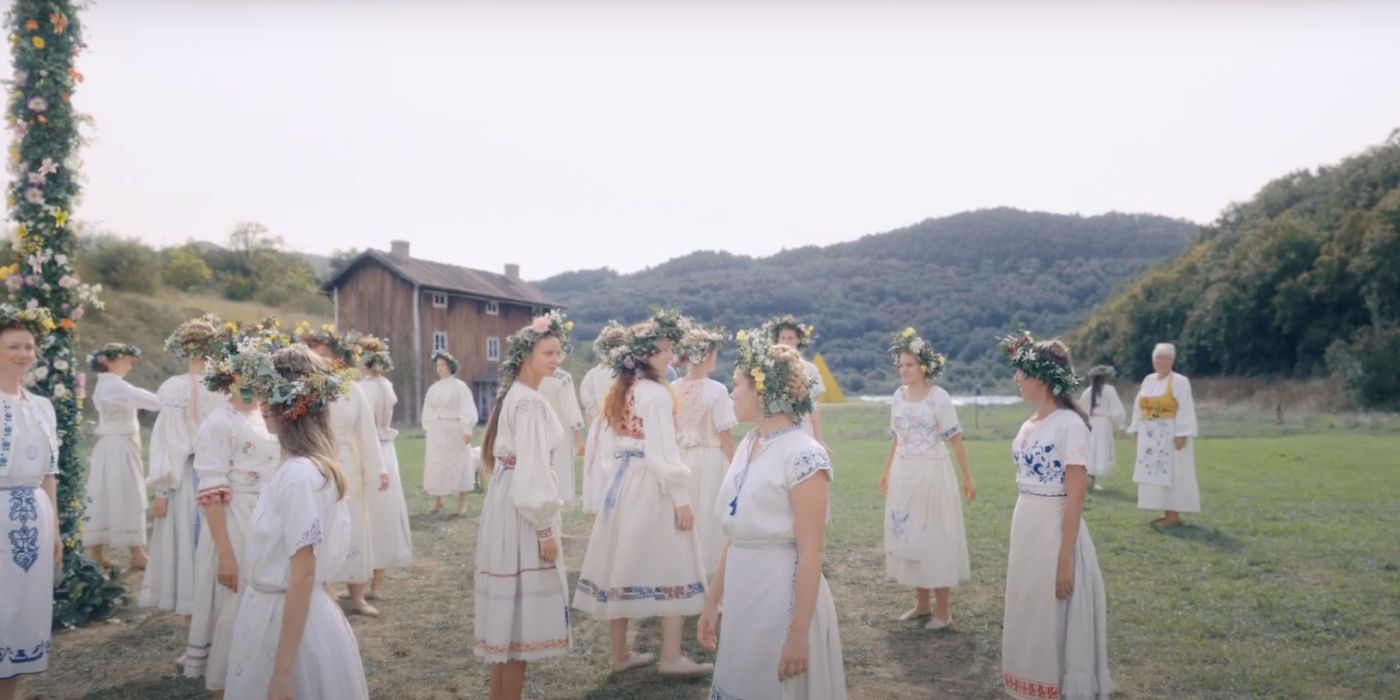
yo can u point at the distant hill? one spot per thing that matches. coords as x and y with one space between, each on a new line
1301 280
960 280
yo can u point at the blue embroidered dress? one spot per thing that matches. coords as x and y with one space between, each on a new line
925 541
28 452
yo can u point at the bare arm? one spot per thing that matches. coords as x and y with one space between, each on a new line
707 628
726 443
809 508
889 462
223 546
960 454
300 584
1076 477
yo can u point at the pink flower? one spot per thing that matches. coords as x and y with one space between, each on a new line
48 167
14 283
34 195
67 282
540 324
78 313
38 104
34 280
37 178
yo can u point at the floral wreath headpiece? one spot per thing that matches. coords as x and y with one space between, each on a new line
1021 351
698 342
908 340
290 399
638 343
38 321
244 357
520 343
347 354
774 326
452 364
772 375
374 351
197 337
612 335
99 358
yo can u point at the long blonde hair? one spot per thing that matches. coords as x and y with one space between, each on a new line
310 435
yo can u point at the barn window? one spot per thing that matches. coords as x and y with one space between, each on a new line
439 341
439 300
536 312
493 349
493 308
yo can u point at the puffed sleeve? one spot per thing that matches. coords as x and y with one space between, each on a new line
534 432
213 457
814 376
299 510
466 408
721 407
1075 442
1185 407
806 463
128 394
571 416
1137 406
1114 405
945 414
367 436
588 391
170 439
663 456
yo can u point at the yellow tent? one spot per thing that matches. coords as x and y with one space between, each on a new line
833 390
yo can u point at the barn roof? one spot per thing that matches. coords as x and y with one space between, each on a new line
448 278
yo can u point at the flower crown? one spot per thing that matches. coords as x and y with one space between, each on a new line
374 351
38 321
97 361
197 337
612 335
452 364
774 326
346 353
290 399
908 340
244 358
773 374
519 344
698 342
1038 364
639 343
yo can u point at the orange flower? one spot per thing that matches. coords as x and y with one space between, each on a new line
67 324
59 21
43 119
32 25
75 75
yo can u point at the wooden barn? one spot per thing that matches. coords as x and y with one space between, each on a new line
422 306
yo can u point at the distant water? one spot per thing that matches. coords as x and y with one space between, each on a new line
958 400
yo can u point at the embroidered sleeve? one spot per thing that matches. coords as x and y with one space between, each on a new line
210 496
213 454
722 409
663 454
945 414
533 433
807 463
298 509
570 416
311 537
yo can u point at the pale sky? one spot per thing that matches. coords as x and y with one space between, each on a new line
573 135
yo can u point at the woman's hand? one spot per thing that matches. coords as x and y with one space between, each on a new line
57 554
793 662
1064 576
885 484
281 687
383 482
684 519
707 629
549 550
969 489
1179 442
228 572
158 507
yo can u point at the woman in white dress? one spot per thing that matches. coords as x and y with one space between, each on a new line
788 331
290 639
449 417
359 457
1106 418
116 484
234 454
558 390
30 549
593 390
392 545
522 605
778 638
925 541
1054 640
1164 430
643 558
704 423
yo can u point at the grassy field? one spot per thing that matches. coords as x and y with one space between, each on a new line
1287 586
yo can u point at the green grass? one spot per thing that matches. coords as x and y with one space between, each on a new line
1286 586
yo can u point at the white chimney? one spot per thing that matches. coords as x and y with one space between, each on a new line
398 250
512 272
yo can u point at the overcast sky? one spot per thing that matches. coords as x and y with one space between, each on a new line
628 133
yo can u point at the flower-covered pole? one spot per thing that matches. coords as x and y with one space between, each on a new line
45 37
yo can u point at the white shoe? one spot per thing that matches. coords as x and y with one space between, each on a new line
684 668
936 624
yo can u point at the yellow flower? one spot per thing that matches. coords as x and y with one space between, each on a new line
14 156
60 218
9 201
231 326
38 42
22 231
758 377
741 336
328 327
924 368
908 333
568 325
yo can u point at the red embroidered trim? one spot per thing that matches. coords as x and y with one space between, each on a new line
1030 689
632 425
218 494
520 647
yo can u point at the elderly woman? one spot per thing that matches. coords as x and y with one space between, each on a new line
1164 427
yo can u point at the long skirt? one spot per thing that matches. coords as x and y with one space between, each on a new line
26 578
1183 494
638 564
169 581
1049 647
448 467
707 469
355 566
563 465
522 603
215 607
392 543
116 493
595 482
755 624
1101 446
327 662
925 542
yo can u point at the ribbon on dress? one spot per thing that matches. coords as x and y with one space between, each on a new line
624 459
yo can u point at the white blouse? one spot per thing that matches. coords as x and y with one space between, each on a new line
117 401
177 424
919 427
296 508
753 504
450 399
352 421
234 452
379 392
29 448
1109 406
558 390
1043 449
706 410
594 390
651 430
525 438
